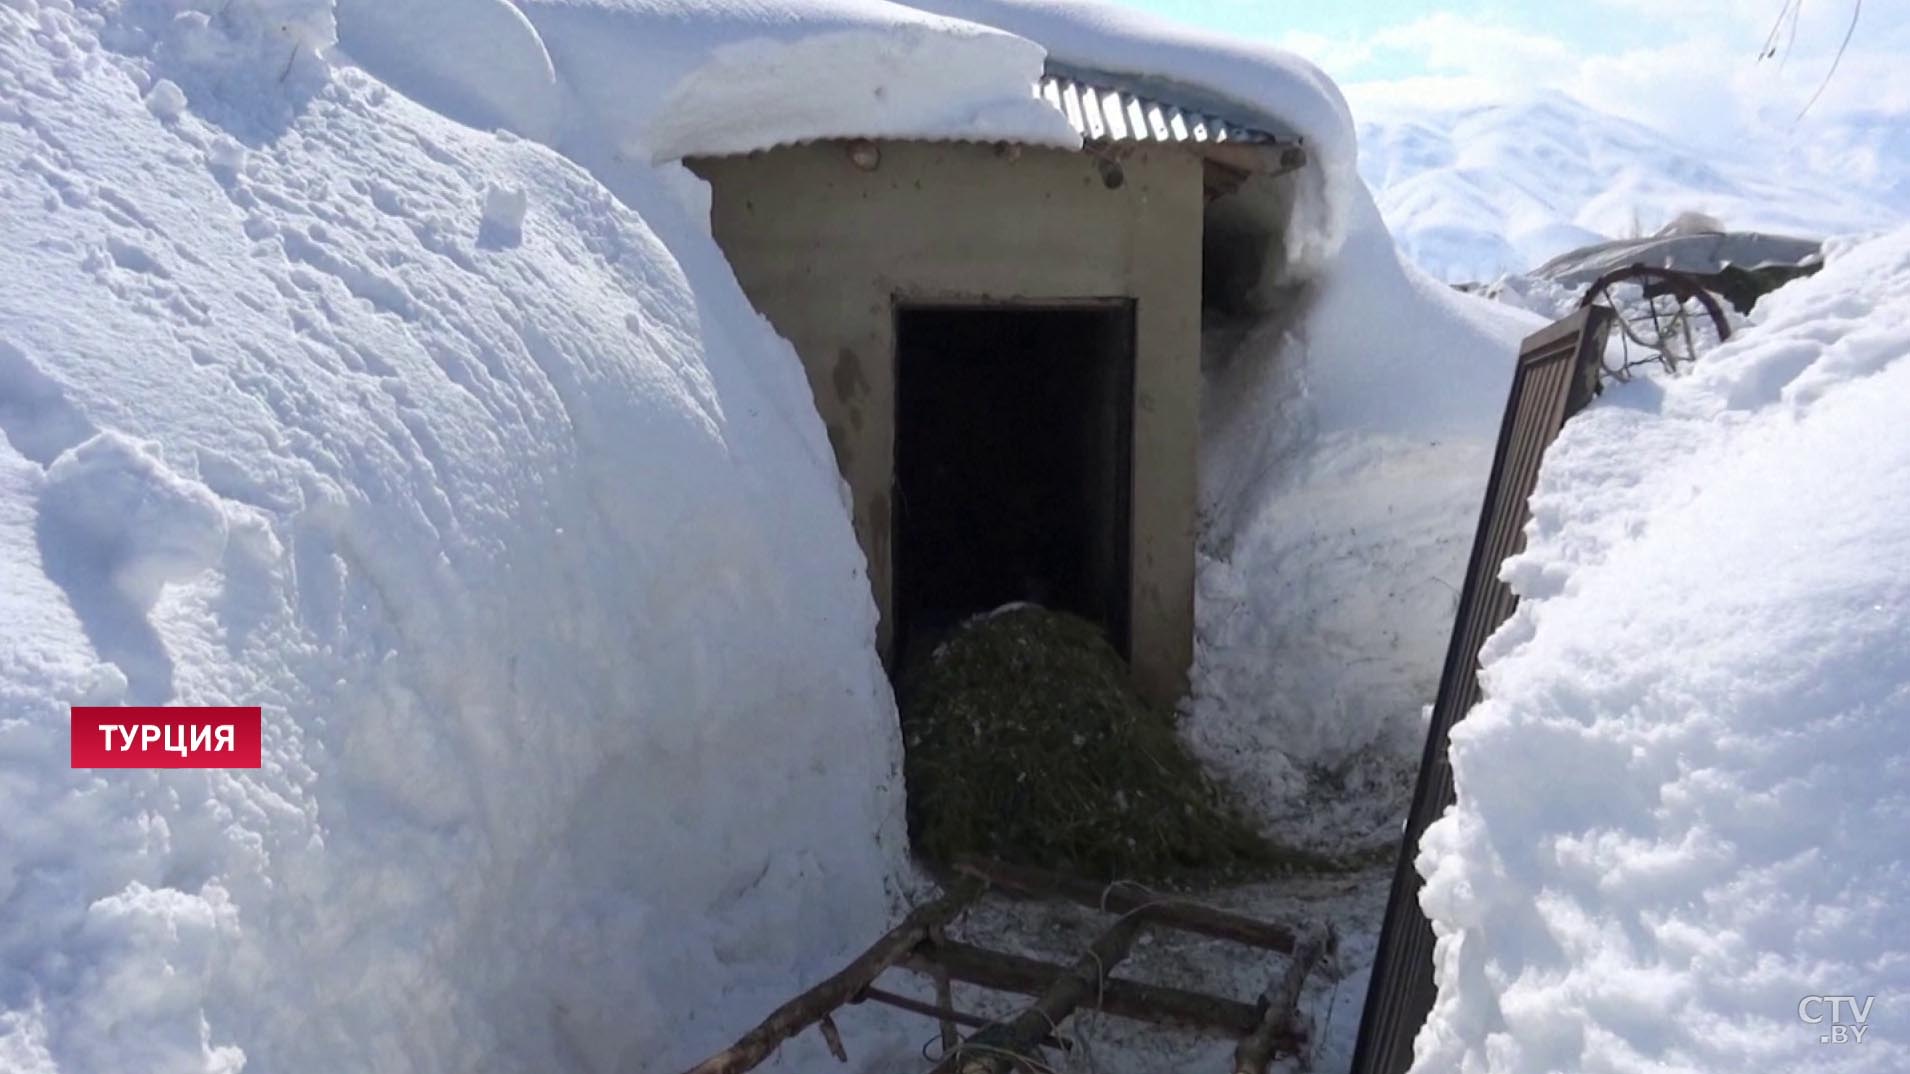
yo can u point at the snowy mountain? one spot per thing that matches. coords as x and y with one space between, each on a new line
1472 193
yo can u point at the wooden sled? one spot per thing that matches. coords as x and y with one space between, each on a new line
1268 1026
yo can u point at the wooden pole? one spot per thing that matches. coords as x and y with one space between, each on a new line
944 995
1158 1004
1123 897
947 1015
1280 1024
1000 1048
809 1008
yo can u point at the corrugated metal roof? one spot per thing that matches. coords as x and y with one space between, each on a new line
1704 252
1105 113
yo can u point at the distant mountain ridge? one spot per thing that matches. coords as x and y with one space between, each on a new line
1473 193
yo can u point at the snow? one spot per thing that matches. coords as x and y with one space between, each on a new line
1249 82
166 100
504 209
373 364
731 78
533 552
1473 193
479 62
1678 804
1342 466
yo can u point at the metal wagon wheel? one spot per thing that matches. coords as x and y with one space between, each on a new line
1657 312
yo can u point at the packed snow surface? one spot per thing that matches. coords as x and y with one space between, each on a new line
1681 805
1474 193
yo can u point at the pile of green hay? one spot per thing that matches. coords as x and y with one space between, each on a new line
1026 742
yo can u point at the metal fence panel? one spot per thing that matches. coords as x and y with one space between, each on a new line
1556 377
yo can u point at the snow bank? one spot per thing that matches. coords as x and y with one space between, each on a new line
492 491
1681 805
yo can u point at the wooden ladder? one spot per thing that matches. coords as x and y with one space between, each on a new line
1272 1024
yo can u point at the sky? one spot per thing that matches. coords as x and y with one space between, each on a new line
1690 67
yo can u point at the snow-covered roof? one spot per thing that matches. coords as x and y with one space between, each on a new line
608 81
722 78
1101 107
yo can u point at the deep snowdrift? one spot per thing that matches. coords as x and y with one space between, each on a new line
1681 805
525 535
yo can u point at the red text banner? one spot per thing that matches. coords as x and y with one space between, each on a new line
166 737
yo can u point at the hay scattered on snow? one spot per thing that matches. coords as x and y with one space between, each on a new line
1027 742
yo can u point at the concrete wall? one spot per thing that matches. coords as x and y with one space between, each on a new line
825 249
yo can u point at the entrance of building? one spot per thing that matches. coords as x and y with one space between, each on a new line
1013 458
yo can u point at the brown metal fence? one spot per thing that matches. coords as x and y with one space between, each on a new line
1556 377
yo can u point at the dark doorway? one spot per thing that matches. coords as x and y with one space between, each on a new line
1013 449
